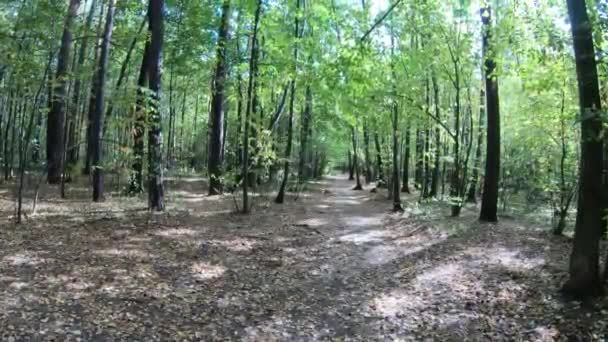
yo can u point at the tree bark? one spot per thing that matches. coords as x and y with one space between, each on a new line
281 195
57 115
304 135
489 198
584 260
358 186
253 61
139 128
155 177
380 181
216 138
73 132
436 166
405 187
471 196
368 162
96 125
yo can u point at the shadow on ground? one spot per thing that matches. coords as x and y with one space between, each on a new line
333 264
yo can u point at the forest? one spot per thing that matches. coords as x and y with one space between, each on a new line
303 170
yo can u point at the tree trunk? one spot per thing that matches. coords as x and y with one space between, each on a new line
139 128
304 135
351 166
73 133
253 61
419 172
96 125
368 162
281 195
406 161
489 197
471 196
436 166
584 260
216 138
56 121
155 153
91 106
358 186
380 181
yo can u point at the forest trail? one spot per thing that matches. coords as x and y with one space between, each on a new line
333 264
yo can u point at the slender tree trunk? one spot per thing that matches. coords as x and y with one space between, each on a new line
471 196
368 162
436 166
56 121
419 172
123 73
194 130
358 186
12 112
253 61
395 120
217 106
73 133
96 125
380 182
489 198
455 183
304 134
584 260
155 153
406 161
139 128
281 195
91 106
351 166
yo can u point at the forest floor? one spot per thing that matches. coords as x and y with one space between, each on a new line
333 265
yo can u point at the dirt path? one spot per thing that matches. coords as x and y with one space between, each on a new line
333 265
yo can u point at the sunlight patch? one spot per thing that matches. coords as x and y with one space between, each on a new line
126 253
176 232
396 303
236 245
365 236
363 221
206 271
23 259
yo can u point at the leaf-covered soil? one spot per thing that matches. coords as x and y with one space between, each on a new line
333 265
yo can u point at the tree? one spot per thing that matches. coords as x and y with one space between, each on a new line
489 201
292 83
155 176
55 127
96 126
216 138
584 261
253 61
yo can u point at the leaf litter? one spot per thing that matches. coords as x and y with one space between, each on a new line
334 265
